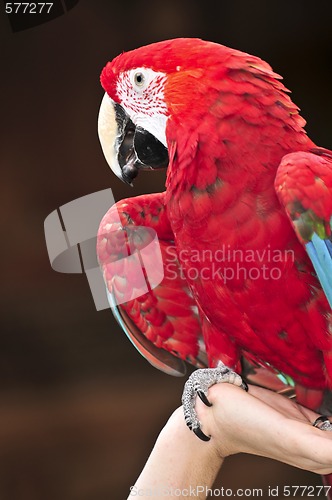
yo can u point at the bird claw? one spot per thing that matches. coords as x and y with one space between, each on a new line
323 423
202 396
198 385
200 434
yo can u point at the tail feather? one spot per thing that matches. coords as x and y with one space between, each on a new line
310 398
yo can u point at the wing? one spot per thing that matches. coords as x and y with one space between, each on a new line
304 187
148 294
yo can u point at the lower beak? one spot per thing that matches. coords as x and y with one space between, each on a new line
127 148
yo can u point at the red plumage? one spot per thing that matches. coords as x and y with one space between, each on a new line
231 131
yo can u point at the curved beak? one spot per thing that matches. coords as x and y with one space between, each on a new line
127 148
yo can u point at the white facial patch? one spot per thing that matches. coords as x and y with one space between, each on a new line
141 93
108 132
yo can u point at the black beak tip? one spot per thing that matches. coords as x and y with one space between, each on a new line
129 173
126 181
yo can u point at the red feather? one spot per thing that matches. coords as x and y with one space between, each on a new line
231 122
230 125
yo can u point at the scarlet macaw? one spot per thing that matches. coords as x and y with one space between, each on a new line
244 224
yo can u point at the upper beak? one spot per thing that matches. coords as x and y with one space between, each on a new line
127 148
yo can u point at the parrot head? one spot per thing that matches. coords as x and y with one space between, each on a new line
133 114
144 88
147 87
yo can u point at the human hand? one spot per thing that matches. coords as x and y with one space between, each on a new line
264 423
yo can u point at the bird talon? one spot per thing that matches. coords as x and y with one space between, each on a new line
323 423
198 385
202 397
244 386
200 434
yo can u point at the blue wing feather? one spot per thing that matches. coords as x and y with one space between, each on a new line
320 253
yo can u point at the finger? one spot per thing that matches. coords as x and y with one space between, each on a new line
263 430
288 407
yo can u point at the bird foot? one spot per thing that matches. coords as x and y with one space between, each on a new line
198 385
323 423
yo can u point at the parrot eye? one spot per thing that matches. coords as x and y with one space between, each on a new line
139 79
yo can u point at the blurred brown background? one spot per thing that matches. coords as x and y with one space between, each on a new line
79 408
